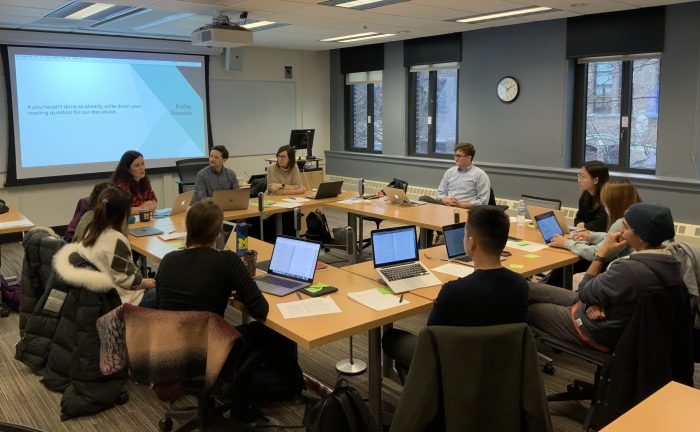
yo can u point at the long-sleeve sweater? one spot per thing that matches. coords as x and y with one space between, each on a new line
588 250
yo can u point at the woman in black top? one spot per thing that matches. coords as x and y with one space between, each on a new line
591 213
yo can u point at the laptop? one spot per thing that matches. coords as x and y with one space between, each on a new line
292 266
144 231
548 225
398 196
181 204
454 243
232 199
328 190
535 210
395 255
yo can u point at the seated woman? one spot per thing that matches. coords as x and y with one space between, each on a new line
130 175
284 178
202 278
598 313
83 221
84 206
616 196
591 214
105 247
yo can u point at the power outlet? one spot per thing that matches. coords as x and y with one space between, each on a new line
288 72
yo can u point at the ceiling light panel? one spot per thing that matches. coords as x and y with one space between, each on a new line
360 4
504 14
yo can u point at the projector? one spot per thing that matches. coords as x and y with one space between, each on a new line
221 34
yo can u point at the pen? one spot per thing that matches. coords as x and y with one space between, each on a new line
401 298
299 295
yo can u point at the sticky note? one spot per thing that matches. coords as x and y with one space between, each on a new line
385 290
531 225
517 266
314 289
532 256
523 243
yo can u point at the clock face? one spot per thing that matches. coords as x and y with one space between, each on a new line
508 89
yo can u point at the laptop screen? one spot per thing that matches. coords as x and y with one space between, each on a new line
548 225
294 258
394 246
454 240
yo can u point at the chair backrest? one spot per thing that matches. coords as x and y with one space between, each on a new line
492 197
551 203
398 184
187 170
448 371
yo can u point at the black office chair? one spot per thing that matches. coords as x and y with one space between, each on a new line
187 170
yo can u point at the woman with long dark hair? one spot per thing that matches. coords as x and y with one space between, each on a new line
130 175
591 213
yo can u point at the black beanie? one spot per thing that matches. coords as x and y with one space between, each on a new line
653 223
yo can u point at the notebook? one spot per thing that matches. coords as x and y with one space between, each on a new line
395 255
561 219
328 190
548 225
181 204
398 196
232 199
144 231
292 266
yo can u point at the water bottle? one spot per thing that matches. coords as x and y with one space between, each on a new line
521 213
260 202
241 238
361 187
456 216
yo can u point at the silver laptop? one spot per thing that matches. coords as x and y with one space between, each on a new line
548 225
181 204
292 266
232 199
395 255
398 196
533 211
454 244
328 190
145 231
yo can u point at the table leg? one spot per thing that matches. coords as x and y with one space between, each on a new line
360 234
568 276
386 360
278 223
375 374
423 238
352 223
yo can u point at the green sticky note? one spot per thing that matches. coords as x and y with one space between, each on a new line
532 256
523 243
531 225
385 290
517 266
314 289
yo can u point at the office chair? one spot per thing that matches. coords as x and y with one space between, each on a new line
551 203
187 170
451 387
655 347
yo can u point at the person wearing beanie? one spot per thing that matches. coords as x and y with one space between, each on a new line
598 313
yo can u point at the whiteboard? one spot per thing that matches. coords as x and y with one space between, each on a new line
252 117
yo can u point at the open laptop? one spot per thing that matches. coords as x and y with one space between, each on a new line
548 225
398 196
454 243
181 204
292 266
395 255
232 199
328 190
535 210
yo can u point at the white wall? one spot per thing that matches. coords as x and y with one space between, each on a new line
53 204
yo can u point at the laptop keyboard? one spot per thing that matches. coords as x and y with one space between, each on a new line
464 258
285 283
403 272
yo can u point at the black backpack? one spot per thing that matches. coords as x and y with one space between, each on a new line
341 411
317 228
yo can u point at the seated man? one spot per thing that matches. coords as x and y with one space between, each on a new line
491 295
214 177
464 185
598 313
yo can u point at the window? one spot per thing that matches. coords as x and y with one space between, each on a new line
433 109
364 111
616 112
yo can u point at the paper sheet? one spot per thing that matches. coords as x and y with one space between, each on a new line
453 269
376 299
309 307
296 200
526 246
286 205
174 235
354 200
15 223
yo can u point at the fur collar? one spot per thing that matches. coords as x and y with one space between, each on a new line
87 278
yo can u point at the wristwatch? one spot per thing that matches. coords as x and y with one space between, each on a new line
599 258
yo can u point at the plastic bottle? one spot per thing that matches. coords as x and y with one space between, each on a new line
241 238
521 213
456 216
361 187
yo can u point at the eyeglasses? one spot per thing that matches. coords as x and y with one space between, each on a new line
459 156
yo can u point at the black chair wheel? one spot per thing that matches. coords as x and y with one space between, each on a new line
549 369
122 398
165 424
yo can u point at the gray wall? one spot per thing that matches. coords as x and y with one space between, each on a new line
525 146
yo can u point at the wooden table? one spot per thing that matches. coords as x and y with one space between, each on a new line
673 408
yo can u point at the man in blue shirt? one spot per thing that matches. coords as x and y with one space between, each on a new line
214 177
464 185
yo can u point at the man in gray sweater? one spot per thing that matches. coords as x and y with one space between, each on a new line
598 313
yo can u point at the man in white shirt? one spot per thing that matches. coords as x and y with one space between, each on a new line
464 185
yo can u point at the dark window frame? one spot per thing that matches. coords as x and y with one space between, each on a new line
349 125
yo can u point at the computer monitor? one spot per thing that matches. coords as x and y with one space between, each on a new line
302 139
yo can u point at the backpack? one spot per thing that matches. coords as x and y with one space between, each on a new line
10 293
341 411
317 228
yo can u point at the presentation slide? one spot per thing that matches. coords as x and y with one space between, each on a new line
78 111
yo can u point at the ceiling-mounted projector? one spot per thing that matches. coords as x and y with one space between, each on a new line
221 33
